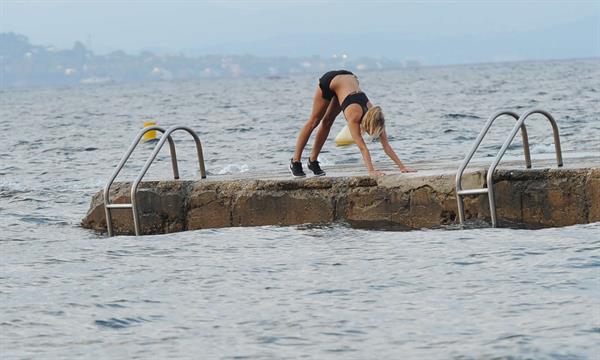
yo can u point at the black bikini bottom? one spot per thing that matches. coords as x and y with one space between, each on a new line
325 82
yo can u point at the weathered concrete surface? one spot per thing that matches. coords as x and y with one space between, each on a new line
532 198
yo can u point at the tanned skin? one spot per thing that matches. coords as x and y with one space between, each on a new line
324 113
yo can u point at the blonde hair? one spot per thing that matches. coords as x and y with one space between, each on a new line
373 122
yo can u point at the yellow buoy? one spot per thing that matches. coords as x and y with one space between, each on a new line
150 135
344 137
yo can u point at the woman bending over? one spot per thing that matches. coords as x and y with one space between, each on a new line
360 114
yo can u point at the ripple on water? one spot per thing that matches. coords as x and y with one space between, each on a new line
284 340
115 323
461 116
276 292
113 305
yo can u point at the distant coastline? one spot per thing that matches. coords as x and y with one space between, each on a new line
23 64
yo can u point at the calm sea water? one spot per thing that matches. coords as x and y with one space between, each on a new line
288 292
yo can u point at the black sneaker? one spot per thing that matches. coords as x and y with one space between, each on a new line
296 169
316 169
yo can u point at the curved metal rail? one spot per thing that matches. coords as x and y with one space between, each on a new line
459 191
136 183
107 204
511 136
490 186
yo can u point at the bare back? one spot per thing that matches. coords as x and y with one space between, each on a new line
343 85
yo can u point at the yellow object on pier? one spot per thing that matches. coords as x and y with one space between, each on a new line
150 135
344 137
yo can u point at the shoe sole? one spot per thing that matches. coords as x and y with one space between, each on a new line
296 176
315 174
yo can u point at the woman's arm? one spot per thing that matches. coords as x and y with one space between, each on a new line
354 127
390 152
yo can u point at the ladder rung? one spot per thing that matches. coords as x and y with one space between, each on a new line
473 191
118 206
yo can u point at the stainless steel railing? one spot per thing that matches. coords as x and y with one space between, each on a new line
136 183
490 186
108 206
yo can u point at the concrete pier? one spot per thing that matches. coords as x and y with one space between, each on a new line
543 197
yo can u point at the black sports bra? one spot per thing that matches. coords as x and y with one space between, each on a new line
359 98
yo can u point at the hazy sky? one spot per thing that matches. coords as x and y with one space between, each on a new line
478 30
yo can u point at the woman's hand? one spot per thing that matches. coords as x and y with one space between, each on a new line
375 172
390 152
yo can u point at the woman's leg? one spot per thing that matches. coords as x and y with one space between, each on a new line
333 110
318 110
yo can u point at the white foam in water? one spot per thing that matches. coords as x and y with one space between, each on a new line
325 161
9 185
234 169
542 148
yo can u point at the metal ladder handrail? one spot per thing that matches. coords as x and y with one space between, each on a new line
509 139
459 191
484 132
107 204
490 186
167 135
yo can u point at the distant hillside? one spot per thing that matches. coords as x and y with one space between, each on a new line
579 39
24 64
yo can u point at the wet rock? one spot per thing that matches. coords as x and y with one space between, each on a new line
282 208
207 209
592 192
534 198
